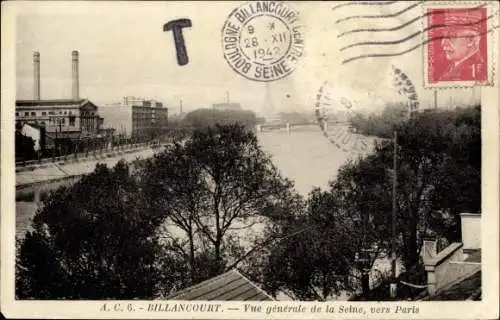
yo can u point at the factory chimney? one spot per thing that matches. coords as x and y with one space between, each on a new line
76 94
36 75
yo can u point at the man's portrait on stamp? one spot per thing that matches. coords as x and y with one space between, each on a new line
458 44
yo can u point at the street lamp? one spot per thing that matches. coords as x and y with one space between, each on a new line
366 253
363 259
58 124
393 285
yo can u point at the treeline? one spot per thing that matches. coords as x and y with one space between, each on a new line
205 117
216 202
182 127
380 124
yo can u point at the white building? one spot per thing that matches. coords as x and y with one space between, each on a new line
119 117
134 116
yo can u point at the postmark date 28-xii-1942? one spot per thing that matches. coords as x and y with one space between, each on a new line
262 40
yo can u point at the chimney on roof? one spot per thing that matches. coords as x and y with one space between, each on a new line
76 94
36 75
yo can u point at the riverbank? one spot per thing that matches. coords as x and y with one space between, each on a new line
34 184
58 170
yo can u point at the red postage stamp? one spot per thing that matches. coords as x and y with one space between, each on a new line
457 46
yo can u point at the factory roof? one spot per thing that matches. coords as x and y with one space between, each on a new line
52 102
231 285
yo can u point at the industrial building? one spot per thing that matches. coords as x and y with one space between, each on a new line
135 117
69 124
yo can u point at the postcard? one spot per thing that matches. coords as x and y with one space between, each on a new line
250 159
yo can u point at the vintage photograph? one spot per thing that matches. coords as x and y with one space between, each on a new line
251 151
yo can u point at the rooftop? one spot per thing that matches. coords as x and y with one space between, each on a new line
473 255
230 285
469 288
33 125
50 102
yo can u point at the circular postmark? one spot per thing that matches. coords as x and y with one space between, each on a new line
335 114
262 40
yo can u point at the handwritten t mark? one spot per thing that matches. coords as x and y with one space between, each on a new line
180 47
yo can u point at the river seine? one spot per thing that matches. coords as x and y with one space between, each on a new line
307 157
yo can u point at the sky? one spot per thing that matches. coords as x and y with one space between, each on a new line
124 51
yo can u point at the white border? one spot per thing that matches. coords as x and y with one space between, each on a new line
485 309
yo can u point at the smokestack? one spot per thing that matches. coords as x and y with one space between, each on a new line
36 75
76 94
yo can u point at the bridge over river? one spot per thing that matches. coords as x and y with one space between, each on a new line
299 126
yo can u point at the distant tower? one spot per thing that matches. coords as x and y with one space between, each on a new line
268 107
75 76
36 75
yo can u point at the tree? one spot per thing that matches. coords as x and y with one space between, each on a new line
93 240
315 258
215 187
381 125
201 118
24 146
437 152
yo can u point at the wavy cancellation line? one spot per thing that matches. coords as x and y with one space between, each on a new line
363 3
381 55
401 26
377 16
367 43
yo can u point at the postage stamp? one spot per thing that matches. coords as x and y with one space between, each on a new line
262 40
457 46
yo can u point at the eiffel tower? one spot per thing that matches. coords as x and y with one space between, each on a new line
268 106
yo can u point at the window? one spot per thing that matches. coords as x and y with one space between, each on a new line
26 114
44 113
72 120
51 112
17 114
70 113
